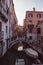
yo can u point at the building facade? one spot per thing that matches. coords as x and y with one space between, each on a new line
20 31
40 34
14 20
6 21
30 22
4 26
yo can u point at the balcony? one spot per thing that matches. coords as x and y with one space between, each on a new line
1 35
3 12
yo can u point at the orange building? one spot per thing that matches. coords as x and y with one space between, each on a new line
19 30
30 22
14 20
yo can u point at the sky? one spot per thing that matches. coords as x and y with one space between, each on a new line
21 6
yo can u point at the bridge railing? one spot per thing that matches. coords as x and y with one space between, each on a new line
34 45
16 41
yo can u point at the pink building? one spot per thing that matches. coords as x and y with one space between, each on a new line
30 22
34 16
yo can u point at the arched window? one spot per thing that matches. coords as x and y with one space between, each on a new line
38 15
30 15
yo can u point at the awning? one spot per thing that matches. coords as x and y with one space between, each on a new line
31 52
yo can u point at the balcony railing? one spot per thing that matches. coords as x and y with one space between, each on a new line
3 10
1 34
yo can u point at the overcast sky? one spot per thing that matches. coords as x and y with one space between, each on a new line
21 6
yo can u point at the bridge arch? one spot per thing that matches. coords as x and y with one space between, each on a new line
26 44
21 56
14 56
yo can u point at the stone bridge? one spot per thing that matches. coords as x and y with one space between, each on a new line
23 39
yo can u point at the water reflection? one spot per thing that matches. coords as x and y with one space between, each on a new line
20 62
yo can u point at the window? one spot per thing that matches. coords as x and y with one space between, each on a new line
38 15
30 31
15 21
30 38
8 11
6 28
30 22
30 15
42 15
38 21
38 30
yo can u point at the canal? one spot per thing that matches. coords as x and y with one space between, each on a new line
15 56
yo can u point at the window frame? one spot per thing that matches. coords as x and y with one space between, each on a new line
30 37
38 15
30 15
6 29
30 22
38 30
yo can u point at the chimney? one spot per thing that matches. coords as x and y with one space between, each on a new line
34 9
